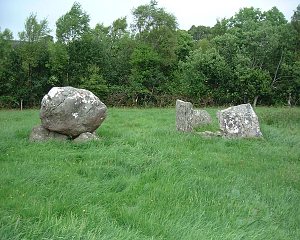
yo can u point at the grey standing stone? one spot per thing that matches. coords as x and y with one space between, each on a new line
40 134
200 117
239 121
184 116
86 137
187 118
71 111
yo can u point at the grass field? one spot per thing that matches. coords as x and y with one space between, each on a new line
145 180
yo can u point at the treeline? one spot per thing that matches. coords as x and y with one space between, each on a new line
253 56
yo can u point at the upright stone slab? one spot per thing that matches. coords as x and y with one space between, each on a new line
239 121
187 118
184 116
200 117
71 111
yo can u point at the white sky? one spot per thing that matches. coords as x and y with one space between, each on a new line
188 12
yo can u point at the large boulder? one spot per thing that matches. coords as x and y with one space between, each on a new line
239 121
71 111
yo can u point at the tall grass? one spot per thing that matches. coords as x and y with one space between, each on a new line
145 180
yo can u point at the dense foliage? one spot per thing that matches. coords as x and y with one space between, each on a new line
253 56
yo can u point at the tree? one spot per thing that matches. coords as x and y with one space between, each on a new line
295 21
6 35
95 82
256 38
33 51
118 28
7 75
250 82
73 25
252 56
58 64
220 27
184 44
157 28
200 32
274 17
146 76
73 31
205 76
149 17
228 46
154 59
34 31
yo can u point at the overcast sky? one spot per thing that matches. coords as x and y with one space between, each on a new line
188 12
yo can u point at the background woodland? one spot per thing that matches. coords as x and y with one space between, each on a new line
254 56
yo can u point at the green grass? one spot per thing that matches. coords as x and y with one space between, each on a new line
145 180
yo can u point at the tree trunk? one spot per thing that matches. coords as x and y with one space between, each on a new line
67 83
290 99
255 101
184 116
29 76
276 72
